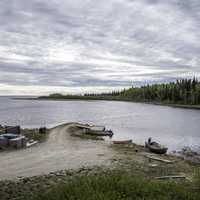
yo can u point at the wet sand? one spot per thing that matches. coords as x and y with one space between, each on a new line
60 151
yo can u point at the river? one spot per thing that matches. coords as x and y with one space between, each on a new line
173 127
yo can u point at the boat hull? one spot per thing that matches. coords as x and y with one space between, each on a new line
100 133
156 149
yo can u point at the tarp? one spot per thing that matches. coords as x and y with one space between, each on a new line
9 135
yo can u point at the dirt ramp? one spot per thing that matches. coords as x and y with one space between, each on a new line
60 151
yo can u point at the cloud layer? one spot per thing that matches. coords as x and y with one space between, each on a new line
59 45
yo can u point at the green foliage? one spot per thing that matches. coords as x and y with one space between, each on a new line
34 134
197 178
118 186
184 91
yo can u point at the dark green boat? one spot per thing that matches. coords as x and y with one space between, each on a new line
155 147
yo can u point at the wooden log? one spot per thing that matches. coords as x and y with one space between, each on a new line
159 159
171 177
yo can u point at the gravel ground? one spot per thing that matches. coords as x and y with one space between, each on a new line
60 151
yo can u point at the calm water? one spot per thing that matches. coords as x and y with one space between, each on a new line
173 127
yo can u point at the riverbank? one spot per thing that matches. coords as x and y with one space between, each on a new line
100 184
35 134
83 98
119 185
59 151
128 171
130 175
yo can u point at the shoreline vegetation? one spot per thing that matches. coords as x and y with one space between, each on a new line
99 183
184 93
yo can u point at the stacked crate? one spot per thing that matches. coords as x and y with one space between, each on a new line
3 142
13 129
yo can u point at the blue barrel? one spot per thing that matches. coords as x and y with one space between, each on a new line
9 136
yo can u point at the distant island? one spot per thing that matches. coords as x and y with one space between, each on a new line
182 93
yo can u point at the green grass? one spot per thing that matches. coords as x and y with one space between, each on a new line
197 178
87 137
34 134
119 186
77 132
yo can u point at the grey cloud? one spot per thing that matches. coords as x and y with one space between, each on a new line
98 43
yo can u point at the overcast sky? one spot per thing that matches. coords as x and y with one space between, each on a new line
85 45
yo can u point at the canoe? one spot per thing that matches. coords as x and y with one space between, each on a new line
156 148
123 142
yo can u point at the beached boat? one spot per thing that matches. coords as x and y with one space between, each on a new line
155 147
100 133
95 130
9 136
123 142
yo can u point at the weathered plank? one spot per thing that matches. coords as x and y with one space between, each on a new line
159 159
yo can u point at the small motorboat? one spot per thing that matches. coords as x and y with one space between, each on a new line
155 147
123 142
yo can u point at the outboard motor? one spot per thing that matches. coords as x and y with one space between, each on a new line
149 140
42 130
110 133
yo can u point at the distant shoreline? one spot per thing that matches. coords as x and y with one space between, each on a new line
196 107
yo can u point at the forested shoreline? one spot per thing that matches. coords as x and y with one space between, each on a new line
183 92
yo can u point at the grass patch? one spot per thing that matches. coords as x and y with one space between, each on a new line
33 134
197 179
118 185
87 137
78 132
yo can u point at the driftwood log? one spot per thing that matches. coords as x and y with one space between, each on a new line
159 159
171 177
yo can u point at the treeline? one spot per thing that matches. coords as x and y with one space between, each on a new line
184 91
